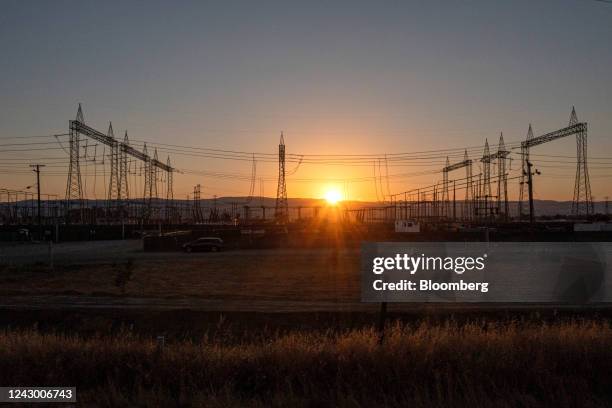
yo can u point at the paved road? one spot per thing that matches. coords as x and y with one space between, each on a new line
58 302
104 302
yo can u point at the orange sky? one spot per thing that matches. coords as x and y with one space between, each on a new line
343 78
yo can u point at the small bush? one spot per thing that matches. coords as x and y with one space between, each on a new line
123 274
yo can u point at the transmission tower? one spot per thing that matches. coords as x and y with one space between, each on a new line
197 208
469 187
469 192
113 183
124 191
445 198
118 187
213 215
253 180
148 185
485 188
583 200
523 179
169 193
282 205
74 189
502 177
153 203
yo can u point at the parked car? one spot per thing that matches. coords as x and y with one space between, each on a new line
212 244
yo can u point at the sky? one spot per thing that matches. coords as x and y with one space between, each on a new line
342 77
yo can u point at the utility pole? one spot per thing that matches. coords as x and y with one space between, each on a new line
530 189
454 202
36 168
530 186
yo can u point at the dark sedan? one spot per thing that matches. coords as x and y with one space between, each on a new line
212 244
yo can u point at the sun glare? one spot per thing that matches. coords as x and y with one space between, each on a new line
332 197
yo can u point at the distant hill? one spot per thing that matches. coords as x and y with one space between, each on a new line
542 207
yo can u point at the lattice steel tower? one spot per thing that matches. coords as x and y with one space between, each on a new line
74 188
502 178
282 205
153 177
148 188
197 206
583 200
484 200
524 169
113 183
469 188
582 203
124 191
170 213
468 205
445 196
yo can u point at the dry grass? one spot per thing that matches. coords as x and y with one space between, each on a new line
477 365
252 275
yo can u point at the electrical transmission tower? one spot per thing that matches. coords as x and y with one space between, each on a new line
169 193
486 197
523 179
74 188
197 208
282 205
148 185
124 191
113 183
469 192
153 207
445 198
502 178
154 176
469 187
253 180
485 189
118 187
583 200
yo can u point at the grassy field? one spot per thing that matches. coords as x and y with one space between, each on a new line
307 275
426 365
224 356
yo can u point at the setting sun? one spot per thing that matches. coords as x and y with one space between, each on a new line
333 196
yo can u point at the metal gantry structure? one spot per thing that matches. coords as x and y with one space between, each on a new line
468 207
582 203
523 178
494 206
484 195
502 179
481 202
198 215
124 190
118 192
74 187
